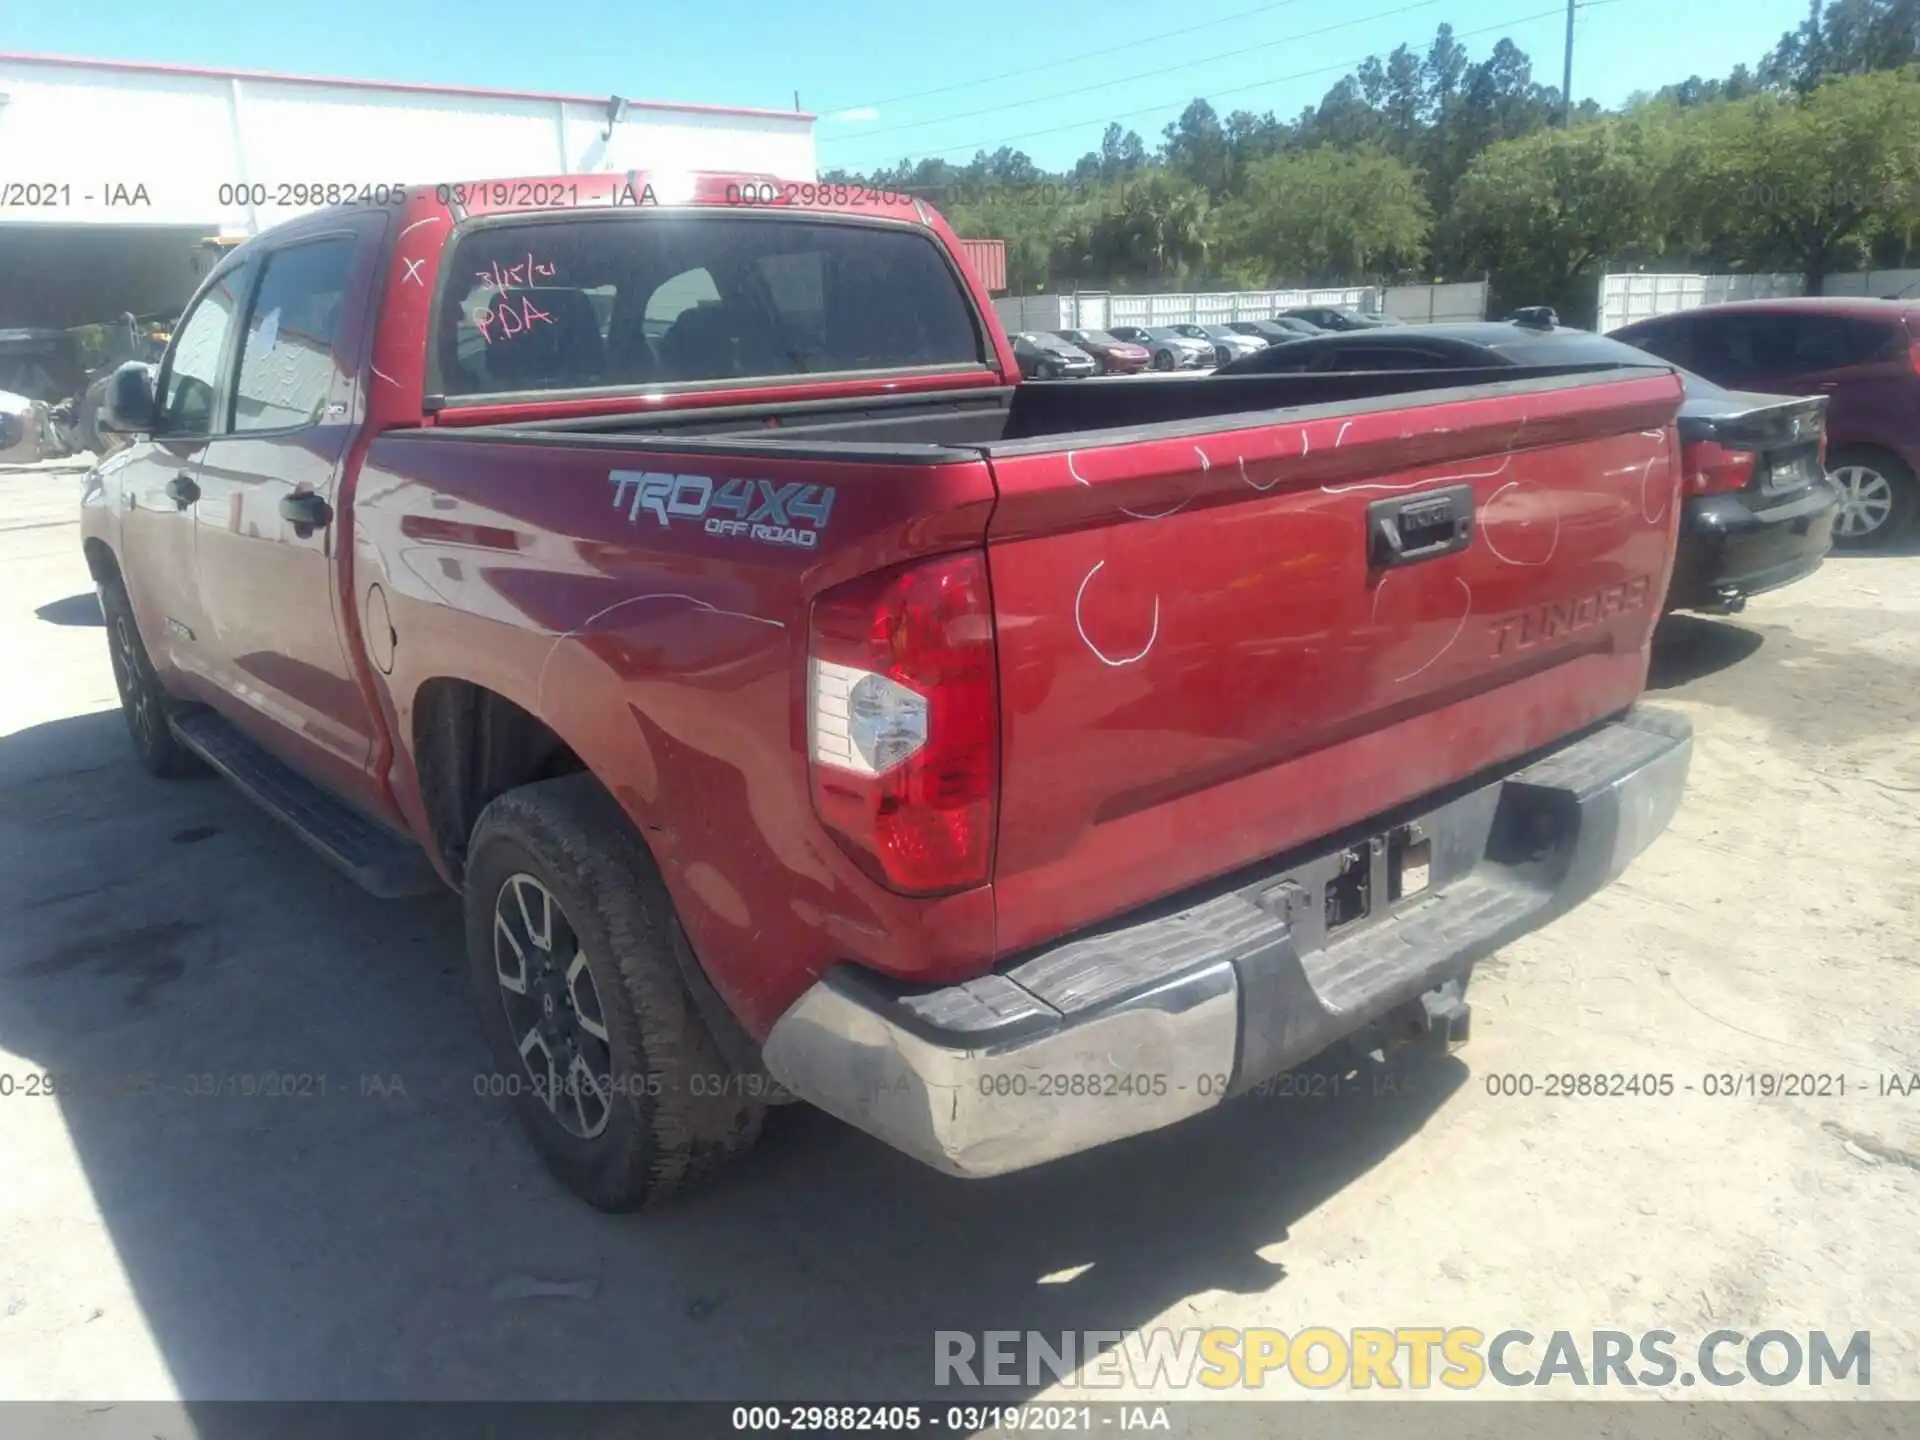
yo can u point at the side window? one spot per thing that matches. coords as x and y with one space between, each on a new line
193 369
1381 357
286 362
1817 342
1737 349
1870 341
1664 338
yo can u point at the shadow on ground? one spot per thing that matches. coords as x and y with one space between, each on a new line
274 1086
82 609
1899 548
1690 647
1785 676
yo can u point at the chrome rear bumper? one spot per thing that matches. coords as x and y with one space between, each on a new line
1166 1013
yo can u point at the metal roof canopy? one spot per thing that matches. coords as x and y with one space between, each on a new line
132 143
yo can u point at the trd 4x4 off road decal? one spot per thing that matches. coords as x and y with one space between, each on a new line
769 511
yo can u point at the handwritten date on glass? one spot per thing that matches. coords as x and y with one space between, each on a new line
507 277
509 316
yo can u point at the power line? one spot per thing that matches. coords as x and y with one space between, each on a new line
1158 70
1344 65
1071 60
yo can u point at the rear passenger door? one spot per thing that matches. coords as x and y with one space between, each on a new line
268 526
1773 353
1865 370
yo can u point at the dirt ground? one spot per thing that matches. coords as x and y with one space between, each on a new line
394 1236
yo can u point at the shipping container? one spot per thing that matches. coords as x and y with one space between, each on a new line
989 261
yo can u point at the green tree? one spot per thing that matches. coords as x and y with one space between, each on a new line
1808 183
1328 215
1158 230
1121 153
1844 37
1195 148
1543 213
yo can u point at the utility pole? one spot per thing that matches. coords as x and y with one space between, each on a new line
1566 75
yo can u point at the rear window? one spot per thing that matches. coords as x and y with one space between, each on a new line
1573 347
656 300
1387 357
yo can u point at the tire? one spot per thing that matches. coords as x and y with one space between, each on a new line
1047 371
1878 497
668 1112
1163 360
143 700
1221 357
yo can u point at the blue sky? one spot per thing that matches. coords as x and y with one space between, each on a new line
868 66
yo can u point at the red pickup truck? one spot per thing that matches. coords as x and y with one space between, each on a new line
804 708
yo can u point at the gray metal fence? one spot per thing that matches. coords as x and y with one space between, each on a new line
1436 304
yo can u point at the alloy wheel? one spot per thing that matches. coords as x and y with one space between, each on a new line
553 1006
1866 500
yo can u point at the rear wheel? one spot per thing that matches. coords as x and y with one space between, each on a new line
143 701
571 941
1877 498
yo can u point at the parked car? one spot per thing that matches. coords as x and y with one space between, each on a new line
1336 317
1864 355
1169 348
1114 355
1276 331
772 689
1047 357
1228 344
1756 513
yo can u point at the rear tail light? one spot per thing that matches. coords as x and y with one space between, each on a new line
1713 469
903 731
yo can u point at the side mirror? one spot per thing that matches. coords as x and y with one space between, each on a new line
128 406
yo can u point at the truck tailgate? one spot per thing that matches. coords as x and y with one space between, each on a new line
1211 648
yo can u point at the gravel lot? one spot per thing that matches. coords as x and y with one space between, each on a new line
394 1237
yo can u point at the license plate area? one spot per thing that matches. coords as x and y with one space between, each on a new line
1376 876
1791 471
1409 862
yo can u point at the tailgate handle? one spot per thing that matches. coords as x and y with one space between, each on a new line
1412 528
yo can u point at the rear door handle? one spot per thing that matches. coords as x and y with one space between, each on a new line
182 491
1411 528
306 512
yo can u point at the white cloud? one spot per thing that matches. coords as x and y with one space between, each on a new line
858 114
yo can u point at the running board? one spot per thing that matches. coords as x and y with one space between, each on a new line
377 859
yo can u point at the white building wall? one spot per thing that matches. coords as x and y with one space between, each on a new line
90 135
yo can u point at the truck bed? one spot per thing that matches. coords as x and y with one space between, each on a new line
1202 661
998 419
